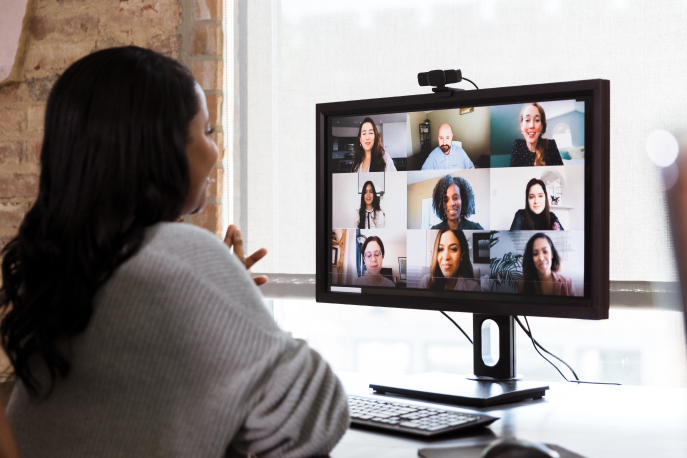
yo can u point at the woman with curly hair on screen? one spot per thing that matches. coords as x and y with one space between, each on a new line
450 269
454 202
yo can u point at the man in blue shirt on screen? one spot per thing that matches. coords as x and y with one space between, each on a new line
447 155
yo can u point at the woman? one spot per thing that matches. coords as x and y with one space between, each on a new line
534 149
129 333
536 214
369 154
373 257
540 266
369 215
450 269
454 202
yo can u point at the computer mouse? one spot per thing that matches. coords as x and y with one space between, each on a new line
516 448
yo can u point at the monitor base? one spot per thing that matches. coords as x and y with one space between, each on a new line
456 389
486 378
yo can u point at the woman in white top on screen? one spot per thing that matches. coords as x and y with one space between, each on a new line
451 269
369 215
373 257
369 155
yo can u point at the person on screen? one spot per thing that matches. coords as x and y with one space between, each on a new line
540 266
369 154
536 214
373 257
369 215
454 202
450 268
534 149
447 155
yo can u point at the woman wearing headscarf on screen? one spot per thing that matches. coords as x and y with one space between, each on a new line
369 215
536 215
450 269
534 149
369 154
540 266
373 258
454 202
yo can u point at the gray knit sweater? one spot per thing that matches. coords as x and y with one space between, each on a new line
182 359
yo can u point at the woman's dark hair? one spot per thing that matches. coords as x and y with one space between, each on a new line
467 197
542 142
377 162
363 205
113 162
436 278
529 270
532 220
373 238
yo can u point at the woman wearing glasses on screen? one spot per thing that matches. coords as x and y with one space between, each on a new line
369 215
536 215
369 154
540 266
373 257
534 149
453 202
450 269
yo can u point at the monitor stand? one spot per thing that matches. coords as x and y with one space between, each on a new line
494 381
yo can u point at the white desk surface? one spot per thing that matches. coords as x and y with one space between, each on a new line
595 421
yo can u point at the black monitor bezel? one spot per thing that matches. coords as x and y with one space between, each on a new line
594 305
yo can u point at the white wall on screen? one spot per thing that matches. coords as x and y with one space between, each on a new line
395 140
346 199
508 195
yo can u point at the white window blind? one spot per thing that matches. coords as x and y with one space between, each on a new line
290 55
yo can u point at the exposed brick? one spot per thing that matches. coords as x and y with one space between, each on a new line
10 153
35 118
208 73
39 88
167 45
11 215
218 138
48 58
18 185
131 17
32 151
208 40
11 93
80 24
4 240
208 219
208 9
12 121
215 108
110 43
216 182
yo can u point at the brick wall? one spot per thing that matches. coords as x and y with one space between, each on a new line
62 31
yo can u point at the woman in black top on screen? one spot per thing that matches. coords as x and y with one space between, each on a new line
453 202
536 215
370 215
534 150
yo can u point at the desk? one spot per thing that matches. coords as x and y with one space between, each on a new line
595 421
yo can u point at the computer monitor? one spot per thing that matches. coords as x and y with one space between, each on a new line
491 201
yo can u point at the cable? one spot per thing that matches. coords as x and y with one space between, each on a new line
461 329
529 333
470 82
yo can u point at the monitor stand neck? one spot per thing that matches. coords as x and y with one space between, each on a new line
488 364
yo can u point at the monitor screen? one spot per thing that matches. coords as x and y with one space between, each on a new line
485 203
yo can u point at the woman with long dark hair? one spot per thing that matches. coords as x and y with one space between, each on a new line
533 149
454 202
127 332
370 215
540 266
450 269
369 154
536 215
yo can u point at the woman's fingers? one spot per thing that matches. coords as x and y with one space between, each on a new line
260 280
229 237
238 246
255 257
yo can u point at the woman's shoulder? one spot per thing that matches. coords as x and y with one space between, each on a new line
424 281
470 225
518 220
467 284
388 283
518 142
558 278
389 161
441 226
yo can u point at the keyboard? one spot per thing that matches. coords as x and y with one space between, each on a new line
411 419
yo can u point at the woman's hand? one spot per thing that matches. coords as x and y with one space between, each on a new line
234 241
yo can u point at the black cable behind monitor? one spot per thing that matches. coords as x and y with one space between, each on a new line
537 346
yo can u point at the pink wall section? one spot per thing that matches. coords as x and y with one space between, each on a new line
10 28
